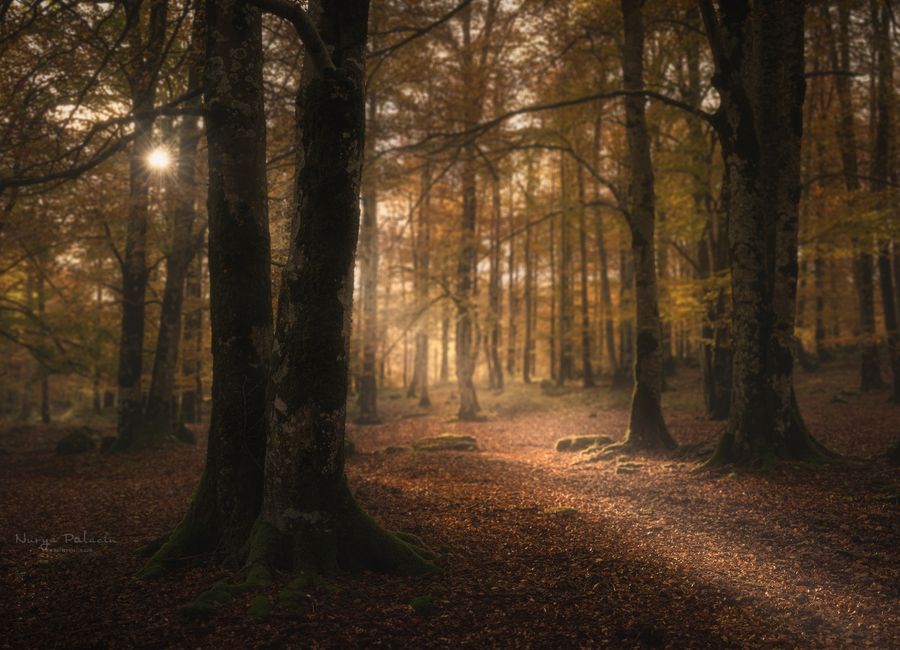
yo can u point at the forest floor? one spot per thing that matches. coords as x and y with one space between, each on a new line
534 550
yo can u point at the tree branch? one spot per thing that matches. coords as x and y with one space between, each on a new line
303 25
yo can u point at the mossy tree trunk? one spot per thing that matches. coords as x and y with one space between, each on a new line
646 427
228 499
310 521
759 56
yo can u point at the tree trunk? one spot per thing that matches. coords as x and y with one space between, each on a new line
147 57
422 280
566 306
445 344
863 274
882 157
760 127
587 371
646 428
466 340
158 416
494 290
712 257
310 521
227 501
368 392
512 271
551 341
528 343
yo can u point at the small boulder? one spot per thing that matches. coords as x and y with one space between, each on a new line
580 443
78 441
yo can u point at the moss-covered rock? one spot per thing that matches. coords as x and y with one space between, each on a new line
78 441
580 443
424 605
446 442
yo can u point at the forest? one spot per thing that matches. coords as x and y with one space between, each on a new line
449 323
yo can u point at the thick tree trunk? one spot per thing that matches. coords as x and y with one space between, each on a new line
310 521
760 78
158 417
147 57
368 392
228 499
646 427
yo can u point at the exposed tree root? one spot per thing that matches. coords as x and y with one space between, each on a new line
195 535
344 539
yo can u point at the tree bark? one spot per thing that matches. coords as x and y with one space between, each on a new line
368 392
566 306
158 416
882 157
466 340
587 371
863 273
422 256
142 79
646 428
310 521
228 499
759 53
494 289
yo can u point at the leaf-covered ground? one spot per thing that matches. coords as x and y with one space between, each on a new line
534 550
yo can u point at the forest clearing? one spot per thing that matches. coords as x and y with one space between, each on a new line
533 551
